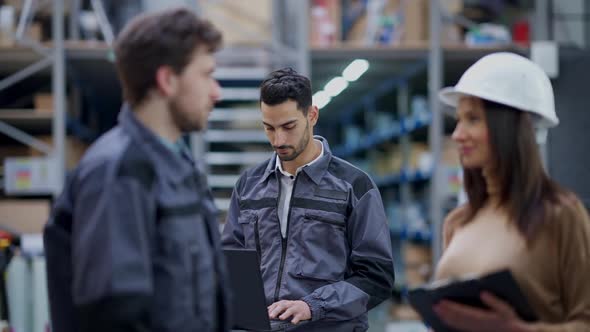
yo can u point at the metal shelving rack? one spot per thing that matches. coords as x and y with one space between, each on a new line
36 58
53 57
435 136
285 48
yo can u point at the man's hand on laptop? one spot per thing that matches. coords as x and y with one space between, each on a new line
284 309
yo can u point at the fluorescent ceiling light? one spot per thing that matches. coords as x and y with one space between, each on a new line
355 69
321 99
335 86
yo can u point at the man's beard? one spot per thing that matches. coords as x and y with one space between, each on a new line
300 146
182 119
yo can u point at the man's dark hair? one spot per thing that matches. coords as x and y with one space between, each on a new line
167 38
286 84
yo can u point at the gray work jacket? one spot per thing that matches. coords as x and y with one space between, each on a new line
133 243
337 254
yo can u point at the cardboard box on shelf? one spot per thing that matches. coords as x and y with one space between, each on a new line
417 275
403 312
417 253
388 162
43 103
6 40
356 34
453 6
395 162
392 160
241 22
383 30
381 165
417 263
404 22
325 18
417 18
42 10
35 32
24 216
7 25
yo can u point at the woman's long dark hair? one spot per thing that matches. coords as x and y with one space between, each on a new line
525 188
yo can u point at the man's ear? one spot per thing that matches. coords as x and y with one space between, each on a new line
312 114
166 81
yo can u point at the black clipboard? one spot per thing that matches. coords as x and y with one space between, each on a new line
467 291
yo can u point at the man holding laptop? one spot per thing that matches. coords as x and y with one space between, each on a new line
316 222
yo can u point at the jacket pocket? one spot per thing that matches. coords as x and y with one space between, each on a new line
249 224
324 250
257 237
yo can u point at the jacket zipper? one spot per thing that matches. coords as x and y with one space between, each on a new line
284 240
257 239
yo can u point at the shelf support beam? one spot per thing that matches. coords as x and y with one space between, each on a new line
25 72
541 33
403 102
103 21
59 97
24 138
435 134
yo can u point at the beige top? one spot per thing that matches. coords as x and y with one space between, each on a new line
553 272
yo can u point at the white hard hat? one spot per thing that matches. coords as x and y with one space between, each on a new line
508 79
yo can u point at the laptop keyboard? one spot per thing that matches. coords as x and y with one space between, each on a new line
280 325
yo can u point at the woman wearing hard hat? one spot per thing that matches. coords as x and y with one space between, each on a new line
516 217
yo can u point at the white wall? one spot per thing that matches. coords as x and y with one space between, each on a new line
572 30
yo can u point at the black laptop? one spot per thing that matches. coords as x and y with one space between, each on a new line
249 303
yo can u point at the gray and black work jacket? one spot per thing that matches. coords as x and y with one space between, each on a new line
133 243
336 255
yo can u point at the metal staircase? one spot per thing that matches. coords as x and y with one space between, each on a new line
235 139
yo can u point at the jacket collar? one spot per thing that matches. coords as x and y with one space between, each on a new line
315 171
172 162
